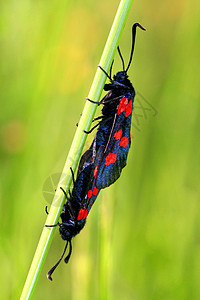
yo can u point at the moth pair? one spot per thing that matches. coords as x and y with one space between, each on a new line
101 165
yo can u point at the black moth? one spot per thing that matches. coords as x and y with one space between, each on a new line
112 140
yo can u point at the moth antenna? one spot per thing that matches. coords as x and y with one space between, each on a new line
55 266
133 41
70 252
121 58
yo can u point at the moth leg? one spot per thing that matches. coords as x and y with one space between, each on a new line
105 72
89 131
58 224
72 175
98 118
92 101
46 209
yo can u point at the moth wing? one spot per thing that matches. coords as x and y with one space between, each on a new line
92 190
116 151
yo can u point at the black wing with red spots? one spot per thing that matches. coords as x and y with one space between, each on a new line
93 190
116 150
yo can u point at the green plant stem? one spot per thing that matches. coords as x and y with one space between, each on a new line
76 148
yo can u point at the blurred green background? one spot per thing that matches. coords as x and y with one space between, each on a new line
142 238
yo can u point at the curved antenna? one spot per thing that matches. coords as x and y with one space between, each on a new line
133 41
55 266
121 58
70 252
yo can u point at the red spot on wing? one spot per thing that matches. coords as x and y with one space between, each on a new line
110 159
82 214
118 134
122 105
95 191
95 172
85 214
124 142
89 193
128 109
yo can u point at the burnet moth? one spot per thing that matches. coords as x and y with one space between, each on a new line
113 139
78 205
